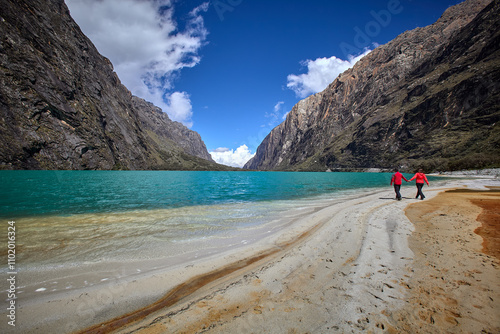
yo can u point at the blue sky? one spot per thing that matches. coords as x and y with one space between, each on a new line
232 69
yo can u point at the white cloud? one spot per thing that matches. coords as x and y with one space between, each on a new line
234 158
179 106
276 115
277 109
146 48
320 73
278 105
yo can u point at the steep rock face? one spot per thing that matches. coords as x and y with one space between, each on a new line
63 107
427 98
155 120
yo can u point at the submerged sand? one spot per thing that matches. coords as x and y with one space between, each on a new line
366 263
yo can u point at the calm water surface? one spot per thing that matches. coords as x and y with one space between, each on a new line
74 222
33 193
69 217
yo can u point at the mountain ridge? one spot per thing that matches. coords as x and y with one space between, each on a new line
373 115
62 106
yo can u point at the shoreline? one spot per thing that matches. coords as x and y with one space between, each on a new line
306 290
335 270
76 309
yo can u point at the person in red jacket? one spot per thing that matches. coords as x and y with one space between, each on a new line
396 179
420 176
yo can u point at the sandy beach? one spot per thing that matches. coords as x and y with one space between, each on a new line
366 263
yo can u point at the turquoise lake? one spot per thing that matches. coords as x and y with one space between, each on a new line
76 229
71 217
30 193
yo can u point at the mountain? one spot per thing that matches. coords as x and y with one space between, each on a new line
429 98
63 107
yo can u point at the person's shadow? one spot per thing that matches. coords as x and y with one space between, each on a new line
394 198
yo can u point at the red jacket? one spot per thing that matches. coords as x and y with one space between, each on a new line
420 178
396 178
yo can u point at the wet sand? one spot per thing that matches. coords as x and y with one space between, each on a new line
455 283
362 264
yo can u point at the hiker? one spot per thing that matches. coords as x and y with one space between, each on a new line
396 179
420 176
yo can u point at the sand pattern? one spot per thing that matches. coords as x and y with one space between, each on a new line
455 286
362 264
357 272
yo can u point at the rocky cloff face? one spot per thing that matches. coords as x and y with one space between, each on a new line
63 107
428 98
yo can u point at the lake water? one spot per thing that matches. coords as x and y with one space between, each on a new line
81 221
35 193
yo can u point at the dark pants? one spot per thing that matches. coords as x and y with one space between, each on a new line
419 191
397 187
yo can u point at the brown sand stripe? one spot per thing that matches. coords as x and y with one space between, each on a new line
189 287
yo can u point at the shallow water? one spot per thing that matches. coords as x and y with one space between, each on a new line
70 223
28 193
